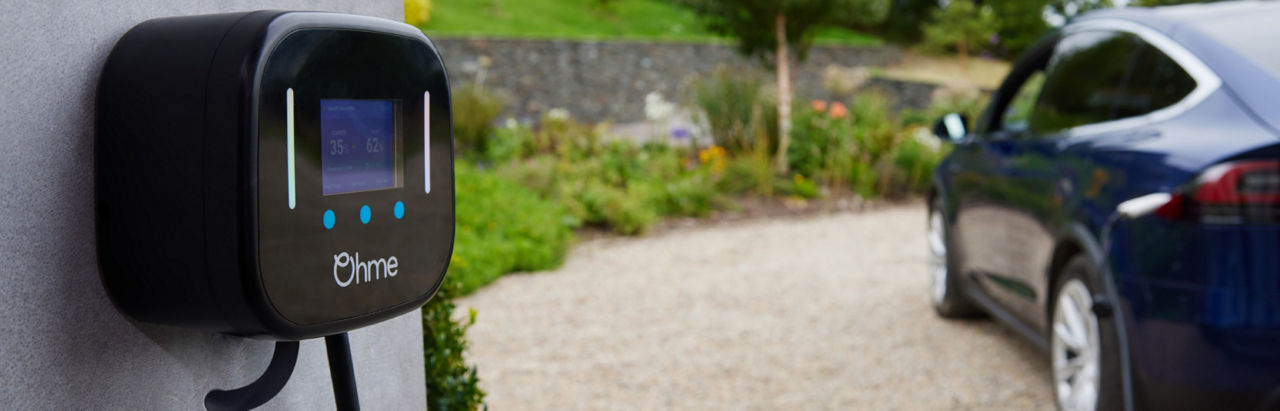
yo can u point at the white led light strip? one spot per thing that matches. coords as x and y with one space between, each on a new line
426 138
288 127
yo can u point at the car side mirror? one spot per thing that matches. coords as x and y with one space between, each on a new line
951 127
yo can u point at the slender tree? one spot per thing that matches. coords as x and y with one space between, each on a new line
777 28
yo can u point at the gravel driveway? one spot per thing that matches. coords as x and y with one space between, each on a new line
826 312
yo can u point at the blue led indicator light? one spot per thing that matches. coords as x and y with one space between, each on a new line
329 219
365 214
399 209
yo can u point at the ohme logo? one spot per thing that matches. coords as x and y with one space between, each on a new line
362 271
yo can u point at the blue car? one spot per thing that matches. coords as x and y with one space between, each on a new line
1118 204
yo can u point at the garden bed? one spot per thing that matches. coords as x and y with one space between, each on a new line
753 208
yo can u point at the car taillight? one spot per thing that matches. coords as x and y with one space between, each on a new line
1237 192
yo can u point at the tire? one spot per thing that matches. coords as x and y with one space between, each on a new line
1083 349
945 288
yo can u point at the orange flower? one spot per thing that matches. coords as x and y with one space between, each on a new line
819 105
715 156
838 111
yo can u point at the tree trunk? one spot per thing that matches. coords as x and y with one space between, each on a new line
784 94
963 49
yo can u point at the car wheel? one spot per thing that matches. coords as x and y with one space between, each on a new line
1083 348
944 287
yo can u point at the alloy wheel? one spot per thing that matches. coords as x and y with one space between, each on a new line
937 257
1075 348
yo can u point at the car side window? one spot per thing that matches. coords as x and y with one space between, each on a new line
1155 82
1086 77
1018 112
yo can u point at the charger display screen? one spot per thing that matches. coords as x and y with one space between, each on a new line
359 148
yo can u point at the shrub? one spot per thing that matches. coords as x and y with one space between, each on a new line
624 210
914 162
863 179
691 196
608 189
907 169
751 171
417 12
875 128
735 109
833 144
503 227
451 384
610 183
475 111
536 173
509 142
902 154
803 187
822 142
564 138
739 176
682 187
869 149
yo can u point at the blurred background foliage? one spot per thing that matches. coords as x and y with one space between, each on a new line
417 12
625 185
661 20
963 27
751 22
525 188
1017 23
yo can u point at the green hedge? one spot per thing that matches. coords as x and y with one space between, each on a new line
501 227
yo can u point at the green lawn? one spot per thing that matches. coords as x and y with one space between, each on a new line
582 19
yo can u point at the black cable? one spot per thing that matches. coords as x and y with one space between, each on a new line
343 373
264 388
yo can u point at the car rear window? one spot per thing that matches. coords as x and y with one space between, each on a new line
1155 82
1099 76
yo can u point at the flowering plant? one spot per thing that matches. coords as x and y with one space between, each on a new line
822 142
838 111
714 157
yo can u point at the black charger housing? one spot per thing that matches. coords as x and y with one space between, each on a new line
280 175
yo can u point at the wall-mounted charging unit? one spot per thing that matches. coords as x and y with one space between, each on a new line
271 174
279 175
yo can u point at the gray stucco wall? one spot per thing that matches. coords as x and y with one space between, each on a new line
62 344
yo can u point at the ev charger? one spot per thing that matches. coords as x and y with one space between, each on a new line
271 174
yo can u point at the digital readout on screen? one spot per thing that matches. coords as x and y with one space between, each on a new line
358 145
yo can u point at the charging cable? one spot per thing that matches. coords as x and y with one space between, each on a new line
265 387
342 372
281 368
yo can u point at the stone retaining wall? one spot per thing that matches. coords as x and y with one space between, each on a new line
608 81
